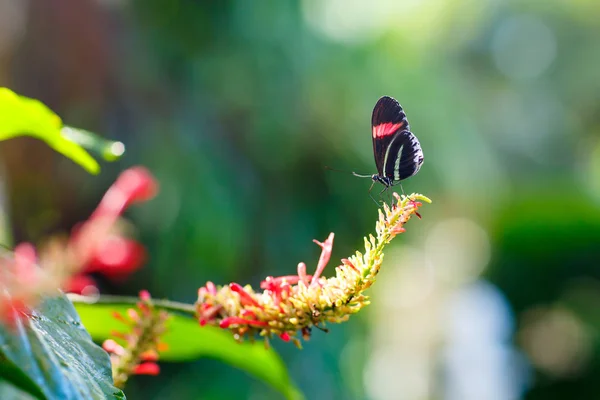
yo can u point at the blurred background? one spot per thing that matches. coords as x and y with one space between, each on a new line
238 106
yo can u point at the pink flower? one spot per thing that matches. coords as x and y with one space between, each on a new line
103 251
227 322
139 352
95 246
147 368
245 297
116 258
290 305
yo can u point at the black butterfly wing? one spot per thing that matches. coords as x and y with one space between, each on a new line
403 157
387 121
398 153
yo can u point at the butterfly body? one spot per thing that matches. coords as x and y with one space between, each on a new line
397 151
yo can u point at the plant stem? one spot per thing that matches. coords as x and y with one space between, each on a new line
167 305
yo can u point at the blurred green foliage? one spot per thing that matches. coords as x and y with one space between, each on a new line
237 107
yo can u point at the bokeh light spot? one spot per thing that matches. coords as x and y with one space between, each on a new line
556 341
117 149
458 249
523 47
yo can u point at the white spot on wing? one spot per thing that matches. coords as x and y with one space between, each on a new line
397 164
387 152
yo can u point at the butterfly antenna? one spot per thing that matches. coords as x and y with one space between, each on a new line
337 170
362 175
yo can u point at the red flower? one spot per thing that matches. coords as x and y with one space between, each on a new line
147 368
102 250
116 258
141 341
94 246
290 305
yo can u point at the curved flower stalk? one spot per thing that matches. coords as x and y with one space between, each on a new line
292 305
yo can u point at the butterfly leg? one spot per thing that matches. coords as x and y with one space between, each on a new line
385 189
401 188
371 196
390 201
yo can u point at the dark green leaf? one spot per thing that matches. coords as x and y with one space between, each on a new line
10 392
12 373
51 350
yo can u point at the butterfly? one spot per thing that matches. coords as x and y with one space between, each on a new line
397 151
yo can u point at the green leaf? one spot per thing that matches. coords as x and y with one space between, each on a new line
188 341
50 355
10 372
10 392
21 116
110 150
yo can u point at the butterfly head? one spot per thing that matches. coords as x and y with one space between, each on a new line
384 180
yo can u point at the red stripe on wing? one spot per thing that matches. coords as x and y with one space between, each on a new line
386 129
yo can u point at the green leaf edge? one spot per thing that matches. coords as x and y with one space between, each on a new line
32 330
31 117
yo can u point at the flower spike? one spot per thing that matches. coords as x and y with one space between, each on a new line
142 342
289 306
